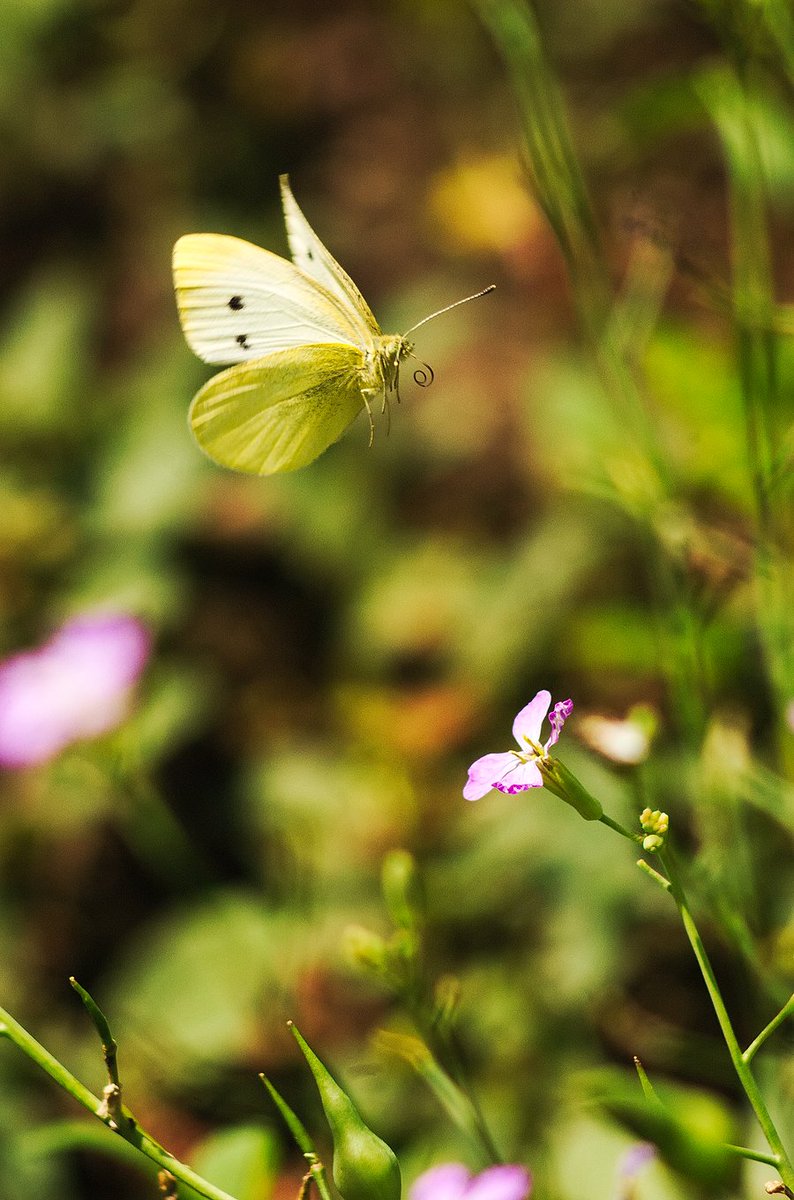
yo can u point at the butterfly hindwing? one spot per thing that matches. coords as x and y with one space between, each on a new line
239 302
309 253
280 412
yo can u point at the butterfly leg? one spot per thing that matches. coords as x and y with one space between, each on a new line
365 395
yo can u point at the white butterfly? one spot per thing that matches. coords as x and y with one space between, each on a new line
308 353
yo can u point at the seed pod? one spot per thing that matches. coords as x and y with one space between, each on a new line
364 1167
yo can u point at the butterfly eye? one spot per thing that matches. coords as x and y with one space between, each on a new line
236 303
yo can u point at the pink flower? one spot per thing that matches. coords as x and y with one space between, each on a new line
517 770
76 686
453 1182
634 1159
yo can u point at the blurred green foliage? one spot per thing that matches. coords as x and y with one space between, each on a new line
334 647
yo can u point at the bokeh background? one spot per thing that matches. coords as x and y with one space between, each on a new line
334 647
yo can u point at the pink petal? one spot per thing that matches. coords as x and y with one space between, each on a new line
32 728
559 715
484 772
528 722
518 777
447 1182
501 1183
634 1159
76 686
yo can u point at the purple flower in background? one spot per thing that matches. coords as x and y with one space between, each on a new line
453 1182
517 770
634 1159
76 686
630 1166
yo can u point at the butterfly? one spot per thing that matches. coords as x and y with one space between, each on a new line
308 354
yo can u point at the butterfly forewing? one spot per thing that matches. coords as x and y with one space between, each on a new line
309 253
239 302
281 412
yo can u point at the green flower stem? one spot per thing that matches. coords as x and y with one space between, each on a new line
771 1160
15 1033
483 1133
304 1142
442 1048
746 1078
605 820
663 883
129 1129
785 1012
109 1044
317 1171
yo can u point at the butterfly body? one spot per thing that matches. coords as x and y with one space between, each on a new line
306 353
380 371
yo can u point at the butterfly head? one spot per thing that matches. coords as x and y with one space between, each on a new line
392 349
400 348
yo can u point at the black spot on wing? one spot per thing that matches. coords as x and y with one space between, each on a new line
242 340
236 303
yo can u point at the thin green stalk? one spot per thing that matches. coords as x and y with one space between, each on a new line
648 1090
626 833
488 1144
441 1045
317 1171
784 1014
129 1129
648 870
100 1021
559 182
733 101
453 1099
771 1160
563 195
741 1067
304 1142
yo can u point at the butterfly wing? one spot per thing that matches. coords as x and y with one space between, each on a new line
238 302
311 256
281 412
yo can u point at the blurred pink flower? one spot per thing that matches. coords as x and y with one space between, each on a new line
452 1181
634 1159
517 770
76 686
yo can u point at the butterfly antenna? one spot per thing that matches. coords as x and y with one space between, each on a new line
465 300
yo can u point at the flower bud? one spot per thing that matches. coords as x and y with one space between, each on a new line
364 1167
655 824
402 889
365 949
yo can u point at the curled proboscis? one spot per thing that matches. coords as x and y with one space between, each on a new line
424 375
